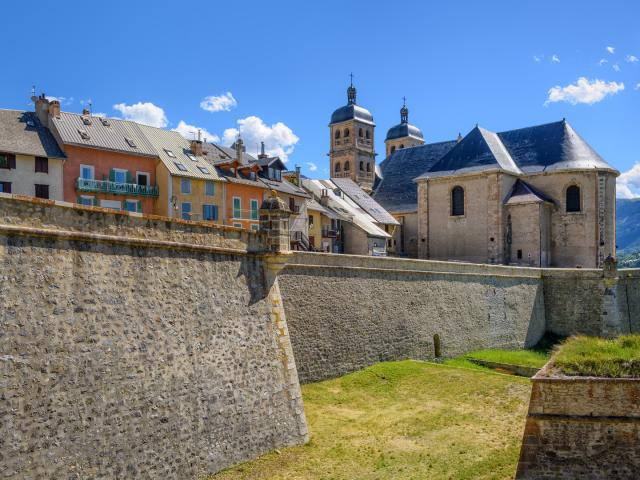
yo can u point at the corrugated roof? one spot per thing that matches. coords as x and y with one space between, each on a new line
284 186
164 141
22 133
368 204
396 191
109 135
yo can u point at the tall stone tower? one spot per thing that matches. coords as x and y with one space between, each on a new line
352 154
404 134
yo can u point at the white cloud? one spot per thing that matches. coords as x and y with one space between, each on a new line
62 100
637 86
628 183
190 132
312 166
611 50
555 58
99 114
616 67
279 140
631 58
584 91
603 61
220 103
536 58
146 113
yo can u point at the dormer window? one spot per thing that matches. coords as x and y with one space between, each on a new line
105 122
170 153
192 157
180 166
203 170
131 143
86 120
83 134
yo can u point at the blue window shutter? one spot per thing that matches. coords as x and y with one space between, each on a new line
215 212
95 202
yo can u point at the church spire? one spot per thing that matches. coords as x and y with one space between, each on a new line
404 111
351 92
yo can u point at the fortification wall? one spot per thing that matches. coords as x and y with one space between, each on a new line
137 347
630 281
345 313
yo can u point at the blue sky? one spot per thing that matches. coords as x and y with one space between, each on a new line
281 68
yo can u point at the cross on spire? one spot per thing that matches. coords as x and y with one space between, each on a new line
351 76
351 92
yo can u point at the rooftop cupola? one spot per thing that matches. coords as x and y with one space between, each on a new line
351 93
404 111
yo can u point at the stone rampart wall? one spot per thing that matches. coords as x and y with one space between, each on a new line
345 313
137 347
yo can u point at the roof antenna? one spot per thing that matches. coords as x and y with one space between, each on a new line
90 106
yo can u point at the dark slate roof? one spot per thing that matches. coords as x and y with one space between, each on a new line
22 133
364 201
479 150
522 192
396 191
553 146
351 112
268 161
404 130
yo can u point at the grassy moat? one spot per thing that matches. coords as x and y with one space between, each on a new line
404 420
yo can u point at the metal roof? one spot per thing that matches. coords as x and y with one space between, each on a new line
22 133
284 186
404 130
221 154
364 201
396 190
164 141
109 135
352 112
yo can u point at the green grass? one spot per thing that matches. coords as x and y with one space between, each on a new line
598 357
404 420
527 358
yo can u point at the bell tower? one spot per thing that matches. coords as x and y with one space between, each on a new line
403 135
352 151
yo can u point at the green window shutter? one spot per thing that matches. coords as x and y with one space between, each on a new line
139 207
95 202
112 175
78 200
129 177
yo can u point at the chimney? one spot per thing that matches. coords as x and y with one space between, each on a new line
86 111
298 175
54 109
42 109
459 137
196 147
262 154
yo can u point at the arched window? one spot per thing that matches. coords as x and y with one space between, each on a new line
401 145
360 132
393 148
368 167
337 167
346 166
457 201
337 134
368 134
361 166
573 199
346 132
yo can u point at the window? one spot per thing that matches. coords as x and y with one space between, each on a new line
346 166
132 206
346 132
169 153
114 204
457 201
83 134
180 166
361 166
519 254
337 134
203 169
237 207
401 146
186 210
254 227
254 209
7 160
86 200
368 167
105 122
368 134
210 189
192 157
573 199
42 191
237 225
42 165
210 212
131 143
185 185
393 149
87 172
292 204
119 175
337 167
5 187
142 178
310 220
360 133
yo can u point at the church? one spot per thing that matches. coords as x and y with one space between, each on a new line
537 196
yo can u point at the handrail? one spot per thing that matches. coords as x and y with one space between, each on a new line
106 186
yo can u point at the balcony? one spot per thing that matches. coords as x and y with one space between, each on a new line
343 174
329 233
115 188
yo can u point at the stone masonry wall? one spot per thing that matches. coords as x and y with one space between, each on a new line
630 281
137 347
345 313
